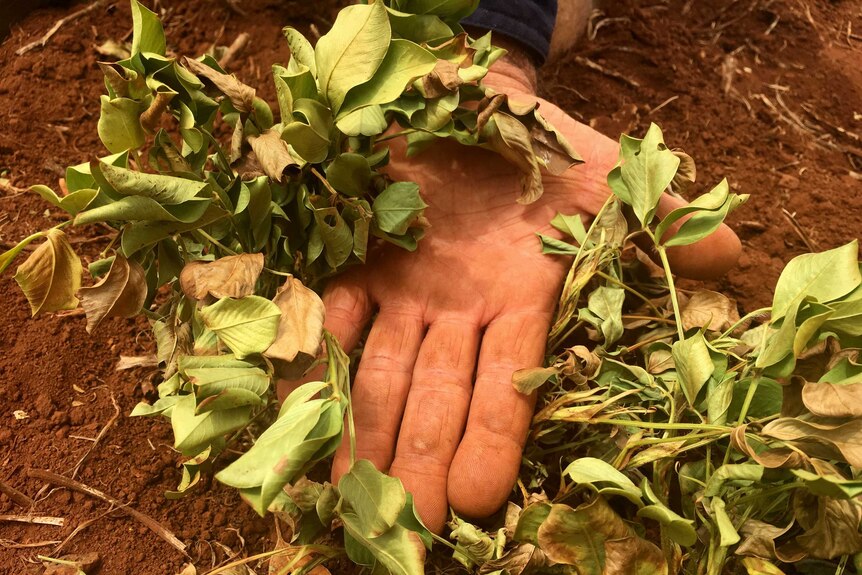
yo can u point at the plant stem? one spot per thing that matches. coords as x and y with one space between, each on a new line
662 254
658 425
396 135
215 242
629 289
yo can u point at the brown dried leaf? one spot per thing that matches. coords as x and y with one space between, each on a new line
522 559
230 276
152 116
819 439
51 275
771 458
686 174
833 400
760 540
442 80
241 95
512 140
633 556
836 530
550 146
300 329
710 310
121 293
530 379
133 361
273 154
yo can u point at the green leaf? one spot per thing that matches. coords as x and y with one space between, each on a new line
823 277
709 211
282 452
7 257
308 134
727 532
397 207
133 208
373 497
399 550
604 312
72 203
300 49
404 63
645 170
676 527
120 125
419 28
834 486
453 10
147 32
51 275
193 433
209 381
351 52
758 566
693 365
350 174
246 325
367 121
166 190
603 478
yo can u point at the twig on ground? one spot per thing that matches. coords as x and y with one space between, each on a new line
10 191
101 434
16 495
586 62
235 48
662 105
146 520
800 231
36 519
57 25
9 544
81 526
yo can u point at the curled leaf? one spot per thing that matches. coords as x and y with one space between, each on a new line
230 276
300 329
51 275
120 293
246 325
240 95
272 153
709 310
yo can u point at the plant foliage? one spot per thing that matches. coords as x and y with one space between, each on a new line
684 439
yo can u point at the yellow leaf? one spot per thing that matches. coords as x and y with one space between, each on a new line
51 275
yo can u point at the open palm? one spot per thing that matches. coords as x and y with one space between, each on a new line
433 397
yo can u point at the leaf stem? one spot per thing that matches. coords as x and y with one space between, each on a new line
659 425
662 254
397 135
215 242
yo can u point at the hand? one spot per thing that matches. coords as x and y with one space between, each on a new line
433 398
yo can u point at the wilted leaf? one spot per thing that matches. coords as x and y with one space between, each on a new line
705 214
832 485
816 439
120 293
833 400
577 536
351 52
836 529
272 153
709 310
246 325
240 95
473 546
550 146
193 433
604 312
677 528
51 275
511 139
350 174
633 556
530 379
230 276
300 329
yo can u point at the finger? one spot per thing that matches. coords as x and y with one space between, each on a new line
348 310
435 415
486 463
380 389
709 258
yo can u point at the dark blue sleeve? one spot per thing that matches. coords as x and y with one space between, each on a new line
530 22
